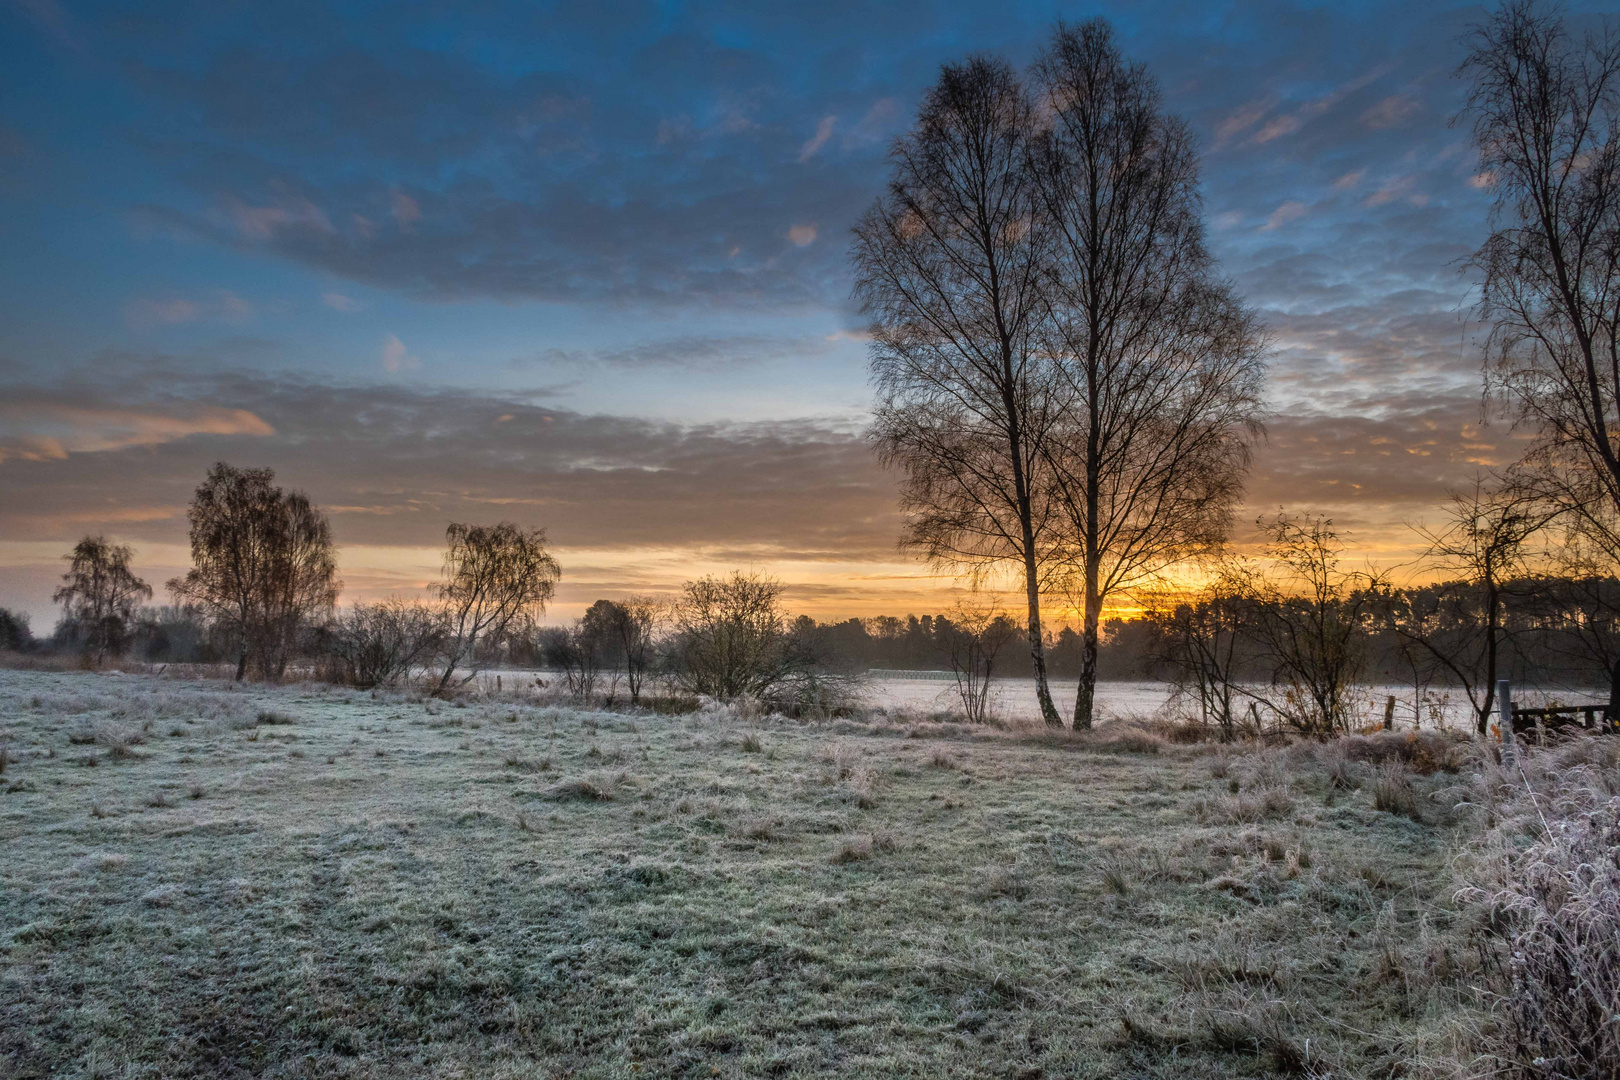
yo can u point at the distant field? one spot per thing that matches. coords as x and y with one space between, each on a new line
199 881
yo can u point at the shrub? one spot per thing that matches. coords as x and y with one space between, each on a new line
731 636
380 644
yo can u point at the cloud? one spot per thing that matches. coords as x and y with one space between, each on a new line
146 312
696 353
802 235
339 302
406 210
1279 126
1390 112
1242 119
51 427
395 358
223 306
401 461
287 213
1395 188
824 130
1291 210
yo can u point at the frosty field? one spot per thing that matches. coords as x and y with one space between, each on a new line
307 881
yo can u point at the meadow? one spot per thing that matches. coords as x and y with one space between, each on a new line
202 879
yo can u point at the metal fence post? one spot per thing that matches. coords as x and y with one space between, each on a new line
1504 696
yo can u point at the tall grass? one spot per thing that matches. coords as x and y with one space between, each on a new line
1550 911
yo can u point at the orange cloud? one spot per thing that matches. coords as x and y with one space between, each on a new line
50 431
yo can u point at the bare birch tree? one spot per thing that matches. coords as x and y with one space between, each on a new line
99 594
496 576
1160 365
949 266
263 564
1543 105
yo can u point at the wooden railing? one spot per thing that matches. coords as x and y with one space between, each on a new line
1559 717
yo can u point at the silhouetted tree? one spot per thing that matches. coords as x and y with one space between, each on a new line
971 640
496 576
624 636
263 564
636 622
1312 623
949 268
586 651
99 595
1543 105
1460 624
1159 364
15 633
731 638
1206 640
381 644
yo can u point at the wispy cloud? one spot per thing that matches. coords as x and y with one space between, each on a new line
396 358
824 130
222 305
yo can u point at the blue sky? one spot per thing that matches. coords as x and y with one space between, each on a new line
585 266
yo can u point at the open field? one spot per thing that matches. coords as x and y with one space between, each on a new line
303 881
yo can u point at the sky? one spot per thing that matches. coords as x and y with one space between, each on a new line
585 267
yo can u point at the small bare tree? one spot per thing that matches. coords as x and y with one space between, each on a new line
731 636
949 268
1459 625
1205 639
263 564
972 639
626 635
496 576
382 644
637 623
586 653
1312 623
99 594
1159 364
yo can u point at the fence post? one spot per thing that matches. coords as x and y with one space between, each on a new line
1389 713
1504 696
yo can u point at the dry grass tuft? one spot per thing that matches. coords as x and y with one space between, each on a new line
1118 738
759 828
854 849
860 848
1393 793
1006 882
750 743
1245 808
1422 752
578 790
